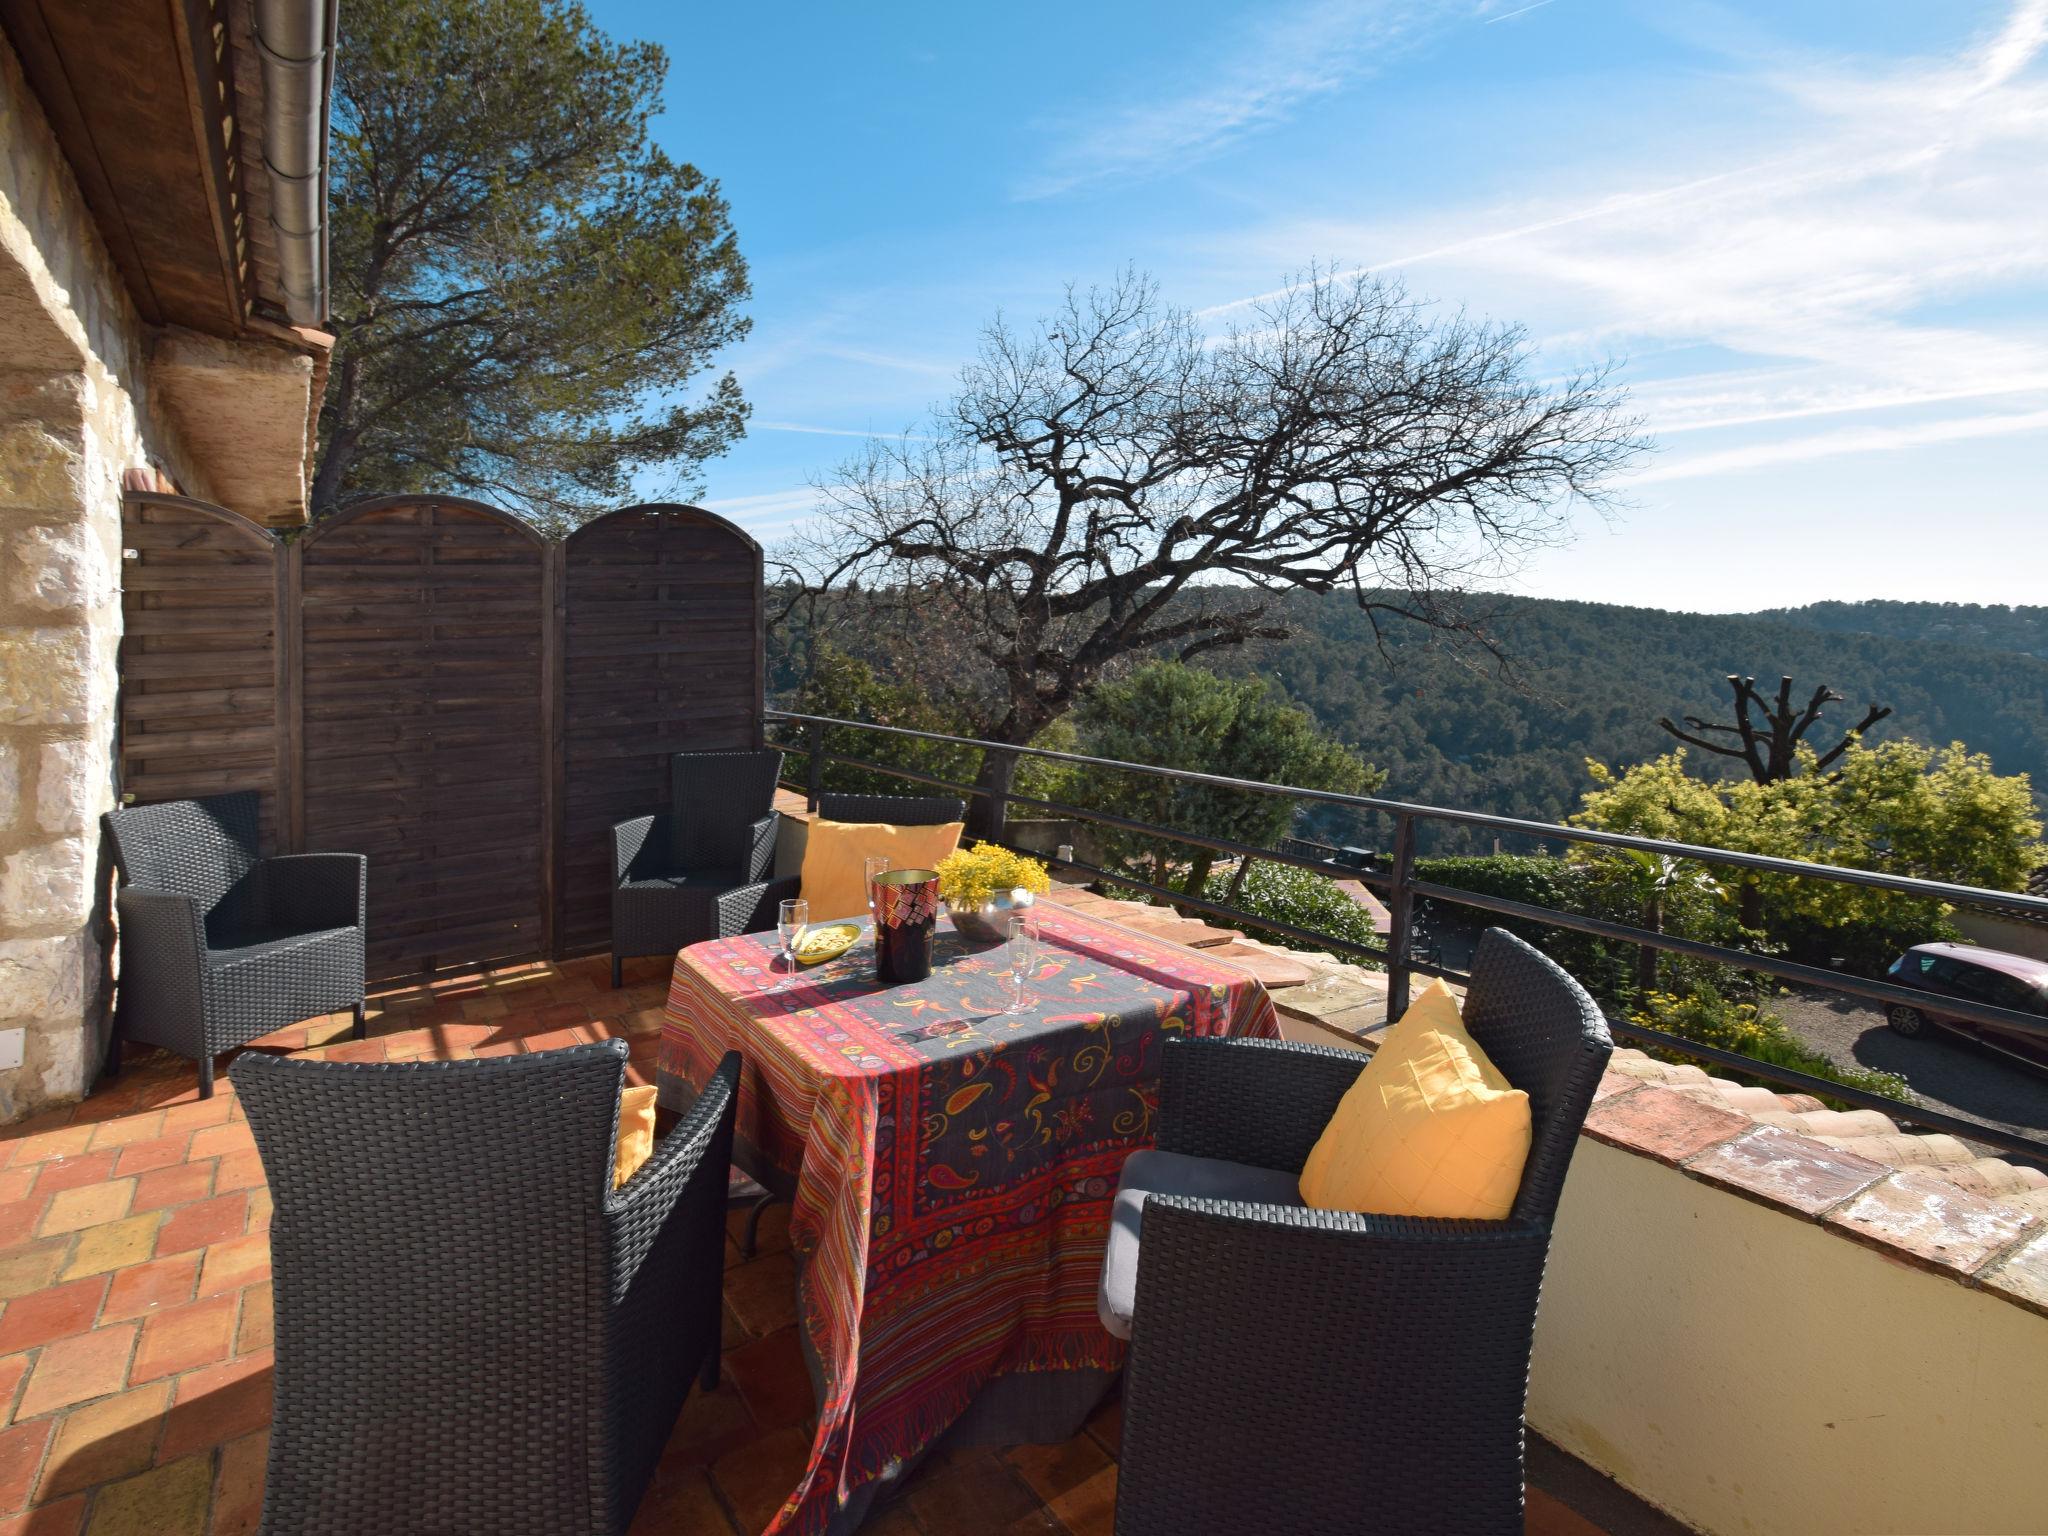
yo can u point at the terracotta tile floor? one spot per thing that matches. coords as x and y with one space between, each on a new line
135 1342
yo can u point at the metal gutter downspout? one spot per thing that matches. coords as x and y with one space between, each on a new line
295 39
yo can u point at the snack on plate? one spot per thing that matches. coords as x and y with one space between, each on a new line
827 941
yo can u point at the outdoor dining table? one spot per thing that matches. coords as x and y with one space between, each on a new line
952 1168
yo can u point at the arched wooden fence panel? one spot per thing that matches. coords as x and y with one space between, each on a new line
427 681
662 652
424 724
203 676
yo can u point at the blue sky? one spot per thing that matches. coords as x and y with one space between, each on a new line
1814 233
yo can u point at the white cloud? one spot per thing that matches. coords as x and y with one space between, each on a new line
930 367
1890 258
1262 78
797 426
1534 5
770 515
1855 440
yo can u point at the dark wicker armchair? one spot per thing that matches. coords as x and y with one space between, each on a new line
219 945
475 1331
698 870
1294 1369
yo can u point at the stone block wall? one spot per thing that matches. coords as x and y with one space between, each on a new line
75 419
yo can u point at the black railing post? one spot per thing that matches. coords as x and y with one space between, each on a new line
989 813
814 765
1401 910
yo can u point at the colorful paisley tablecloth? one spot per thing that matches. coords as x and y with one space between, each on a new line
953 1165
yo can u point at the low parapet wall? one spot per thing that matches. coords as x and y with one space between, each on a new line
1758 1333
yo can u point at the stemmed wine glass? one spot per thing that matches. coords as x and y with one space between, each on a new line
873 865
1022 948
791 919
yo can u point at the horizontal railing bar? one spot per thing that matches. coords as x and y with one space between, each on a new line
1786 970
1910 885
1179 898
1231 914
1741 959
913 775
1105 818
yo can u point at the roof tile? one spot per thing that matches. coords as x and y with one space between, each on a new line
1669 1127
1924 1217
1786 1169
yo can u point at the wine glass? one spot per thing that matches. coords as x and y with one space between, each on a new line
872 866
1022 948
791 919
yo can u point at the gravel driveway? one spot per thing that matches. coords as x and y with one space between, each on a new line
1945 1071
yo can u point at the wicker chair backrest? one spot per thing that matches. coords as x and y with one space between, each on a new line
714 799
201 848
1550 1040
437 1247
896 810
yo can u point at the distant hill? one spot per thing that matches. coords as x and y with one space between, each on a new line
1590 680
1982 627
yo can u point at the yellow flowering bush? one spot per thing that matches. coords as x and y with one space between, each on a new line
970 878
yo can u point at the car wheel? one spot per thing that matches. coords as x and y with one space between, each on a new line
1907 1021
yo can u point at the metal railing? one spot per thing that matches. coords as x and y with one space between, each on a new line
1396 881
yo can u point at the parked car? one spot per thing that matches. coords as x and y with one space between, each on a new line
1981 976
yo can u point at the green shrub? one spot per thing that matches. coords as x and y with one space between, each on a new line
1302 897
1613 887
1704 1017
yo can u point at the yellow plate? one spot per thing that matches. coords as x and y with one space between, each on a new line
826 942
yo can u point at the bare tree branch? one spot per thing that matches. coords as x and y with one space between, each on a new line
1772 753
1112 482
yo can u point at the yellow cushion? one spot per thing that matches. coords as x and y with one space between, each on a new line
636 1133
1430 1128
836 853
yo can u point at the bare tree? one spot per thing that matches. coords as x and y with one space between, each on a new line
1765 737
1114 482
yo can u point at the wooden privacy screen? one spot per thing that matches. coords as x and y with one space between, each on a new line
422 724
429 682
662 654
201 669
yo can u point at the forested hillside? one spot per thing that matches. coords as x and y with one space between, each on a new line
1590 680
1968 624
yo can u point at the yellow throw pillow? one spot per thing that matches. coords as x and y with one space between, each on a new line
636 1133
1430 1128
836 853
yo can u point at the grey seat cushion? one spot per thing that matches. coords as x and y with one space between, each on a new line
1172 1173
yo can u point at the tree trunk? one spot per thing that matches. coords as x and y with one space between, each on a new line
987 814
1750 908
1198 873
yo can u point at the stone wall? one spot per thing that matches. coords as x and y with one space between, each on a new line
75 418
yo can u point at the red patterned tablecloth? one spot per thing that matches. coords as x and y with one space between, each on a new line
953 1165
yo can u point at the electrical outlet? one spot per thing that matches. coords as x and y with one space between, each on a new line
11 1043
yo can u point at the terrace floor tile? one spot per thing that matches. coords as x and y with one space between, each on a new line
157 1419
78 1369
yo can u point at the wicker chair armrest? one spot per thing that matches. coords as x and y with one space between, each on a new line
773 894
761 837
691 1161
638 845
1262 1102
317 890
163 945
1264 1242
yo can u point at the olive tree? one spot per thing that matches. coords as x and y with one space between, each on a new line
1115 482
